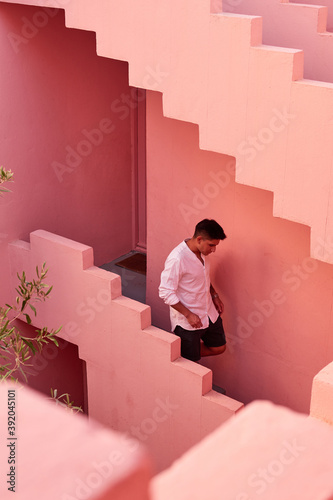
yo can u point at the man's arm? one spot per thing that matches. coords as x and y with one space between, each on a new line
216 300
192 318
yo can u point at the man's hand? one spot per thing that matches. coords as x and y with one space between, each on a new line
194 320
218 304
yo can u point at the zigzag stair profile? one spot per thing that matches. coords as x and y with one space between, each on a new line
321 3
250 100
298 26
140 365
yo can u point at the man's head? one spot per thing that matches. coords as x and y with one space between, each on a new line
209 229
207 236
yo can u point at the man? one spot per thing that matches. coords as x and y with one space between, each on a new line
185 286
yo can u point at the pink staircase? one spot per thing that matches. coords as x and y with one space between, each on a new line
322 3
137 382
298 26
250 100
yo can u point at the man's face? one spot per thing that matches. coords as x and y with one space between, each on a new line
206 246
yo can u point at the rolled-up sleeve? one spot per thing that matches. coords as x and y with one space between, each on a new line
169 282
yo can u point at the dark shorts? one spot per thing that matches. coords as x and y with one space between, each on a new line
212 336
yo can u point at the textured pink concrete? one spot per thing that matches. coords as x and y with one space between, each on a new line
137 383
265 452
278 301
322 395
63 456
297 26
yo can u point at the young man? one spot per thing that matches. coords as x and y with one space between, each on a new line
195 307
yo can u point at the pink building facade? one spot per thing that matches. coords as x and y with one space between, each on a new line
127 123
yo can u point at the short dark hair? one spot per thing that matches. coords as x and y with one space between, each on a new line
210 230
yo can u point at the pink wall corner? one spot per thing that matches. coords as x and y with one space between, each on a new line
88 461
265 451
322 395
276 297
65 135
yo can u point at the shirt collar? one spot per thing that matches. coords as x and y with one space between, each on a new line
192 253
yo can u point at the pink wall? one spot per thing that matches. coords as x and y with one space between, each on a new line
278 315
297 26
55 91
213 70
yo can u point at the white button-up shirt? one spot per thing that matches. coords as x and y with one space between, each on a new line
185 279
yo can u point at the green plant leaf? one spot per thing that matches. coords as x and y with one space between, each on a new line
33 309
49 291
29 344
28 318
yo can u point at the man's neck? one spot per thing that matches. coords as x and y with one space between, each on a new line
193 247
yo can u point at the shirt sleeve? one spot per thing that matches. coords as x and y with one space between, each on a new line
169 282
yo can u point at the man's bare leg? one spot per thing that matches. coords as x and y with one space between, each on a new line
211 351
